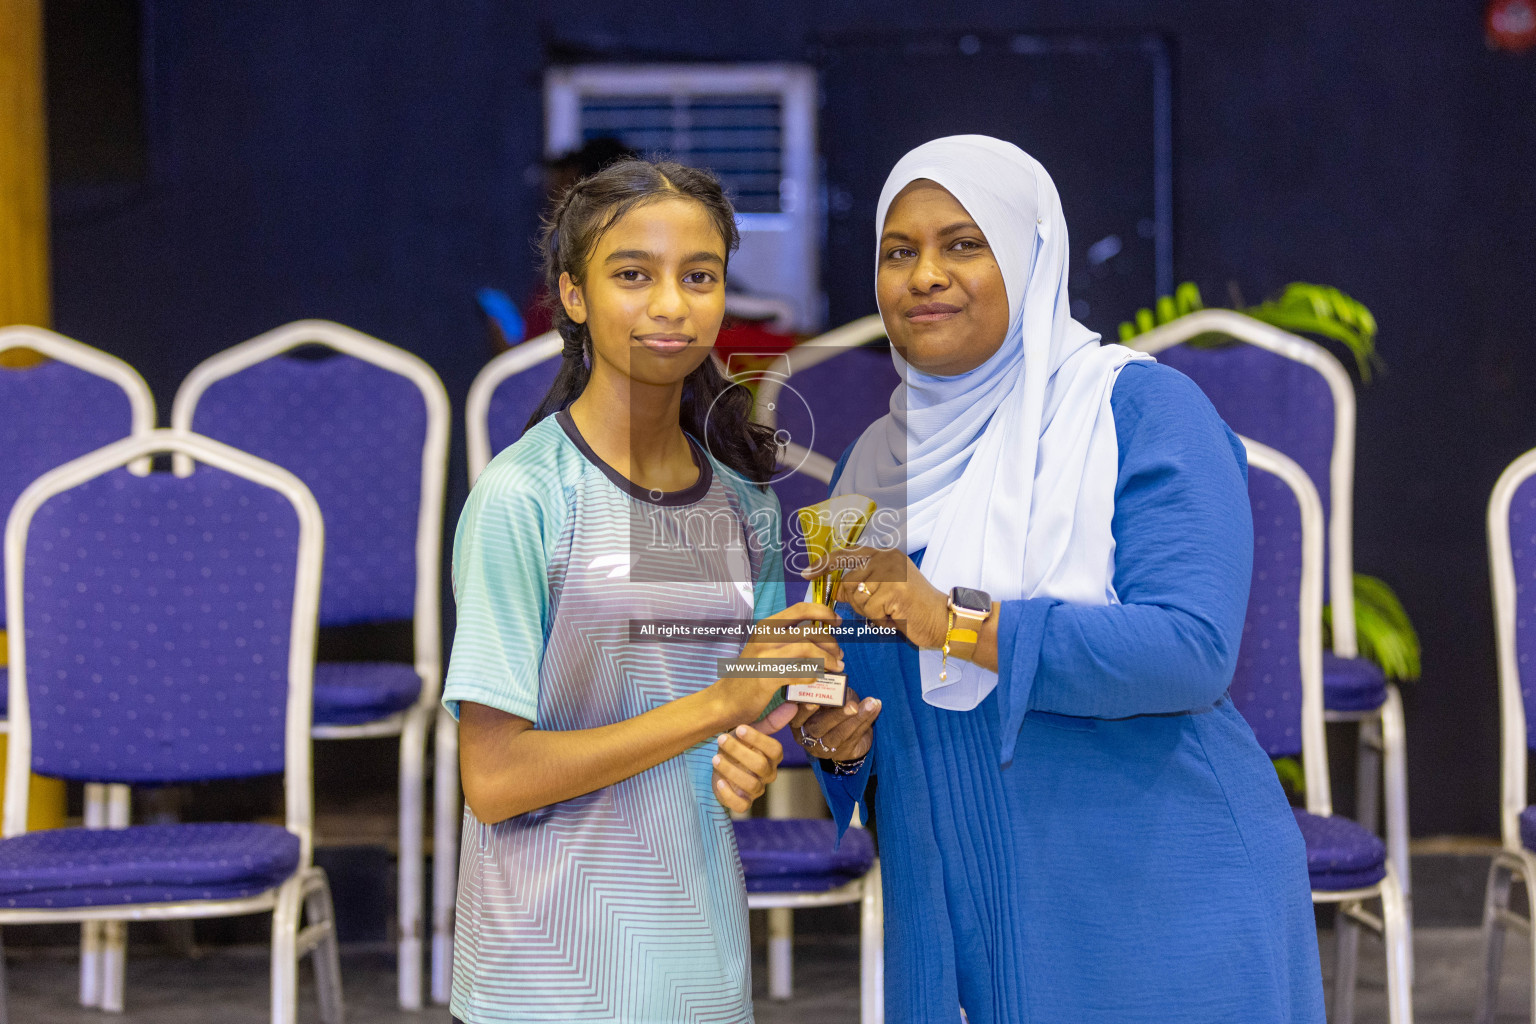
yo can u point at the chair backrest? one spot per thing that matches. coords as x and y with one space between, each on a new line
504 394
79 400
164 626
819 397
367 430
1292 395
1512 561
1278 683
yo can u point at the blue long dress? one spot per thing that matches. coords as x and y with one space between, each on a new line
1101 839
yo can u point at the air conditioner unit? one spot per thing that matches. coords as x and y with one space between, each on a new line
754 125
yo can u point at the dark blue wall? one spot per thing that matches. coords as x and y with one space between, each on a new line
373 162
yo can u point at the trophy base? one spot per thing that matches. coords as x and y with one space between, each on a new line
828 691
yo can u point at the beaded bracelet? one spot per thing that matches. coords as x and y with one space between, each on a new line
842 768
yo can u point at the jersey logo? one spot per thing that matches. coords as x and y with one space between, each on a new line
619 560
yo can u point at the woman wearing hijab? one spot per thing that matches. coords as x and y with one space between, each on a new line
1075 823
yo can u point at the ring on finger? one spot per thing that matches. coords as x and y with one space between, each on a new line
863 589
806 741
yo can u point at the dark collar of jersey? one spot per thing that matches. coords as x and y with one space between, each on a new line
686 496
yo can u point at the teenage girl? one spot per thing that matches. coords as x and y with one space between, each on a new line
599 879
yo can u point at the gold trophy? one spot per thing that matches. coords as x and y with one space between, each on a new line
829 527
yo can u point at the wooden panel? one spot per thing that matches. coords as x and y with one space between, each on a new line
24 287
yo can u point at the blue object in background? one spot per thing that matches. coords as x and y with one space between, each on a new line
497 305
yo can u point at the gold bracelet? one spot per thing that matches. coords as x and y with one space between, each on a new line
951 634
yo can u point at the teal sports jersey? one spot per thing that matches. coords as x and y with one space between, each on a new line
626 904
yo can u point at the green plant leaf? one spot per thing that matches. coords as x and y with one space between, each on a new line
1320 309
1186 298
1383 632
1301 308
1292 777
1376 593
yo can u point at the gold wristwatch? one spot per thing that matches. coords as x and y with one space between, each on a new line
968 610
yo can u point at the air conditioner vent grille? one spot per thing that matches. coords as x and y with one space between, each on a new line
739 137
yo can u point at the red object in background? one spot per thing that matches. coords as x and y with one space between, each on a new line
750 338
536 316
1511 25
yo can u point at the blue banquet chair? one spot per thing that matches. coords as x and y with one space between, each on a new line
163 633
366 428
1294 396
818 397
504 394
1512 559
793 862
79 400
1278 688
790 864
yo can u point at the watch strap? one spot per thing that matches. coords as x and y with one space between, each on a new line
961 637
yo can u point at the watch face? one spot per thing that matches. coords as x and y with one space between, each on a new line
971 600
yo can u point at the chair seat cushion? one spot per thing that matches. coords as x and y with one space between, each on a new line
77 867
1352 684
1341 854
355 692
797 854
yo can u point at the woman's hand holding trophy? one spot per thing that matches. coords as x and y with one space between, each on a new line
832 723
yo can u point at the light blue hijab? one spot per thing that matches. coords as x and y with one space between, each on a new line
1005 474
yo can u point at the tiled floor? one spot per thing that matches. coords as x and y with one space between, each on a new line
228 986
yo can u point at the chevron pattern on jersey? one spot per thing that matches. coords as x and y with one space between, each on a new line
627 904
